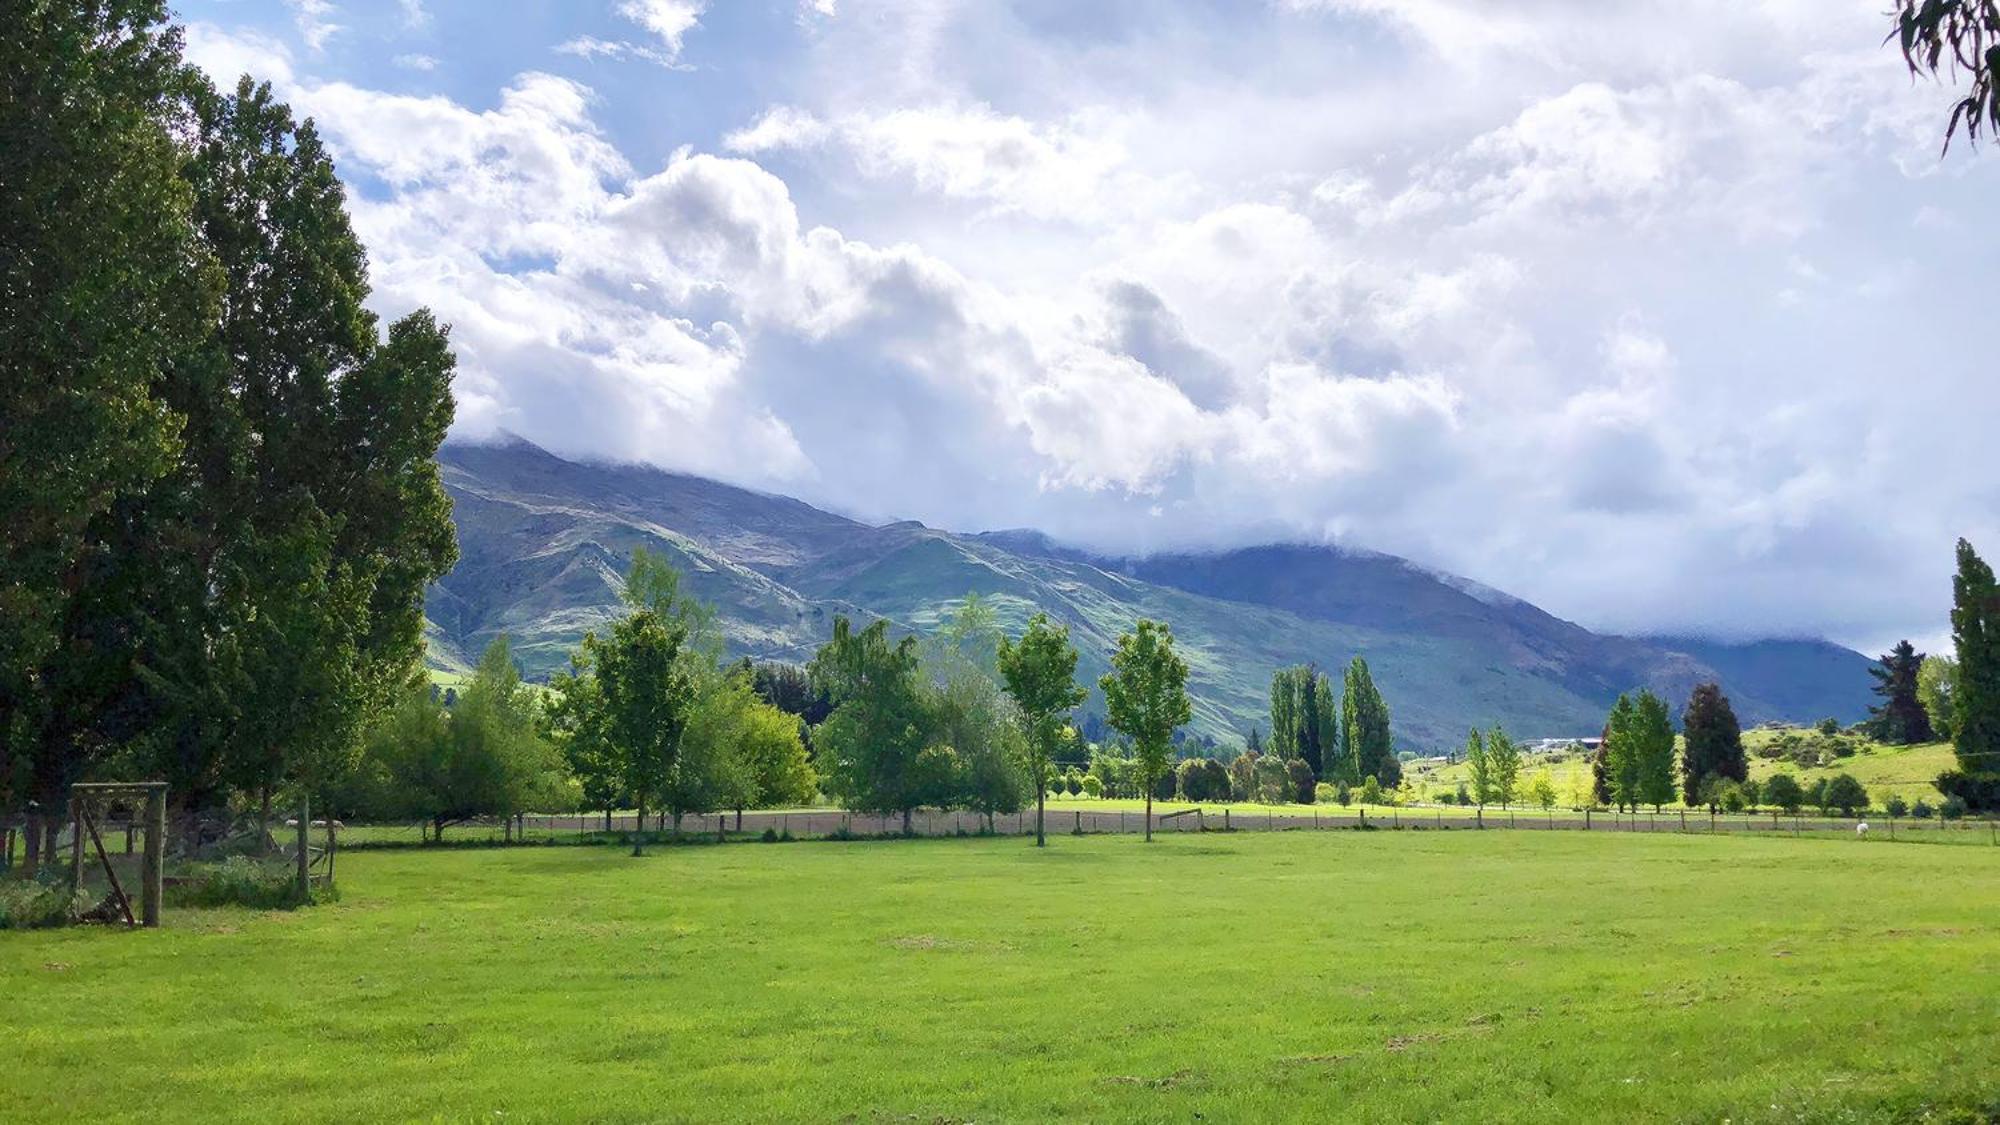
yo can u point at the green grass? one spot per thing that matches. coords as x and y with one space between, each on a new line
1364 976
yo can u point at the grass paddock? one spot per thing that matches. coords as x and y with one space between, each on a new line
1497 976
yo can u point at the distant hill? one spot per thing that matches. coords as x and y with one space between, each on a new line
544 542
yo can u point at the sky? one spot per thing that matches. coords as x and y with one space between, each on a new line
1666 315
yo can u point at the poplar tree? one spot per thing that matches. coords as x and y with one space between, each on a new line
1503 758
1366 744
1975 632
1621 756
1327 735
1653 733
1478 768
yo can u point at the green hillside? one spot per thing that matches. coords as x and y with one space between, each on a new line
544 542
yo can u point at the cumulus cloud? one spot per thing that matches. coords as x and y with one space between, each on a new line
1642 324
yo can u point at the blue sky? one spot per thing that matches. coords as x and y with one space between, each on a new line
1666 316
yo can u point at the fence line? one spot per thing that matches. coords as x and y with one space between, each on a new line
834 823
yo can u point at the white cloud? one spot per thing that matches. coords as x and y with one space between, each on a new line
315 21
415 16
669 21
416 62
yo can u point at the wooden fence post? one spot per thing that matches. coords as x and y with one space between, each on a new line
155 862
76 843
305 848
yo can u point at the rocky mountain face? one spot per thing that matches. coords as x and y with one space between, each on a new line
544 542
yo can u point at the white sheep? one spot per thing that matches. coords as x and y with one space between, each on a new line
1861 830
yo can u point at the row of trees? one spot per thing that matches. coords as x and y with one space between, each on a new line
1342 738
217 482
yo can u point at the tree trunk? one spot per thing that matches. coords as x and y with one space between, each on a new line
639 837
31 838
1041 798
607 820
1149 813
906 822
437 831
739 818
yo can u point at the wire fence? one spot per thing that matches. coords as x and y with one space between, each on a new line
836 824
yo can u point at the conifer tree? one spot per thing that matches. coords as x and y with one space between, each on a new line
1714 742
1899 719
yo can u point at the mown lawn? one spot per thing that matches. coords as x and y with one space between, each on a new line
1365 976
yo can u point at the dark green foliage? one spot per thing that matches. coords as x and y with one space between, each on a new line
1975 631
1954 807
1204 779
788 688
1896 806
1783 791
241 880
1846 794
870 744
1922 810
1302 781
1364 728
1714 742
1900 719
1946 37
1639 752
1828 726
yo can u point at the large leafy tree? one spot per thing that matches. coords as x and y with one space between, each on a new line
104 287
1478 768
870 744
1145 697
1621 749
1975 631
1937 685
648 682
1899 719
1714 742
1652 734
1040 674
1285 717
1326 739
1952 36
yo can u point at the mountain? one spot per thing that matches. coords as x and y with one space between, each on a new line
543 542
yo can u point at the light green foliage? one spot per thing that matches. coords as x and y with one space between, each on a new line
1371 790
647 689
1975 632
1478 768
1040 674
1504 758
974 716
1542 790
1640 752
575 721
1326 711
1937 679
1145 697
484 757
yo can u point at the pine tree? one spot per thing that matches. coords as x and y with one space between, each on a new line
1975 630
1714 742
1899 719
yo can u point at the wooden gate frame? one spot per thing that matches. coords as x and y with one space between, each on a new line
83 800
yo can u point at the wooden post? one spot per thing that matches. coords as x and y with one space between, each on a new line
330 846
1225 820
1586 818
305 849
128 833
76 843
155 863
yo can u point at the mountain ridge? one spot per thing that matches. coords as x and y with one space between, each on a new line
544 542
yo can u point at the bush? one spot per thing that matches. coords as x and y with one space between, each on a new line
1463 798
1896 806
1343 794
1163 786
1846 794
1784 792
1092 785
1326 794
239 881
1953 808
29 904
1732 798
1371 791
1301 777
1922 810
770 836
1828 725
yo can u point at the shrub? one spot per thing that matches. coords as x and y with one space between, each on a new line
1732 798
1954 807
1301 778
1896 806
1092 786
1751 793
1922 810
1326 794
1371 791
1343 794
1463 797
1828 725
770 836
1784 792
238 881
1846 794
28 904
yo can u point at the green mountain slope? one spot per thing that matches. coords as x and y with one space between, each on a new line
544 541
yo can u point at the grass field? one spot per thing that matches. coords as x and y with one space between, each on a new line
1496 976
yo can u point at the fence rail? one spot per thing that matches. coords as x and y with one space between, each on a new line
824 823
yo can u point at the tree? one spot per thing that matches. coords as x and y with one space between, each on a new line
1654 732
1714 742
1899 719
1478 768
870 744
1621 750
107 287
1285 713
1783 791
1326 736
1145 697
485 757
977 719
1950 36
1367 747
1503 758
574 721
1975 734
1542 791
1937 683
1040 674
1846 794
647 683
1300 776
